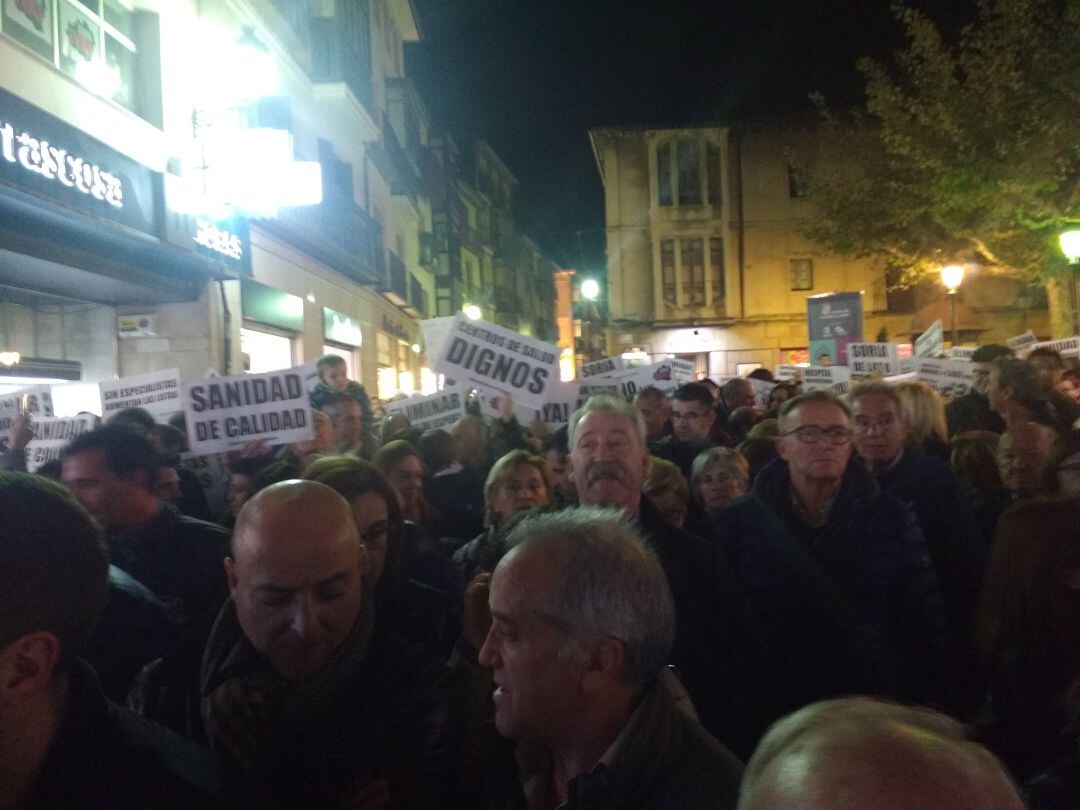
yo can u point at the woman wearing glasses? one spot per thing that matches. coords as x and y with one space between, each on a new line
415 611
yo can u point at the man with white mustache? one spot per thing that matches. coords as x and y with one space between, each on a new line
717 652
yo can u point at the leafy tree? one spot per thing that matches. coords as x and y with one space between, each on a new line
964 152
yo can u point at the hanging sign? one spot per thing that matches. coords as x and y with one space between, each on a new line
225 413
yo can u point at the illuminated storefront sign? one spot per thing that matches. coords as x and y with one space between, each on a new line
218 240
54 163
51 159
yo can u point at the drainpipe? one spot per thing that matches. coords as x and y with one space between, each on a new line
226 322
736 143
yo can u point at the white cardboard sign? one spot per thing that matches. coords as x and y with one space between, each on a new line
52 434
484 355
439 410
786 372
1066 347
225 413
873 358
950 378
435 332
762 390
963 353
827 378
666 376
931 343
157 392
1021 344
38 403
607 367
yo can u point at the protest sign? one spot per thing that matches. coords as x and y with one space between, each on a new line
786 372
36 399
51 436
213 478
484 355
225 413
762 391
435 331
1021 344
896 379
439 410
1066 347
563 402
950 378
603 368
962 352
827 378
930 343
157 392
666 376
872 358
833 321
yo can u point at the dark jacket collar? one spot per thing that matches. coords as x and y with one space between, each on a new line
773 486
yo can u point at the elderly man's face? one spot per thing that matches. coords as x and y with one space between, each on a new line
809 452
607 462
104 494
879 429
1021 451
741 397
296 584
537 687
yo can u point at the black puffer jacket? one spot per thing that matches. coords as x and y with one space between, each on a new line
870 549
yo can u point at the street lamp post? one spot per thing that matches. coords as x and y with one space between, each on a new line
1070 246
952 276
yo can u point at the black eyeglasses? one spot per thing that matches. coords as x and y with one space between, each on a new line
812 434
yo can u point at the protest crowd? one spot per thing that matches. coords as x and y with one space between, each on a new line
760 593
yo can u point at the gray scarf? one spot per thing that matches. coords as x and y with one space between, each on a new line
248 709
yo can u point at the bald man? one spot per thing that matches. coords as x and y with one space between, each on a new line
307 700
1021 452
858 753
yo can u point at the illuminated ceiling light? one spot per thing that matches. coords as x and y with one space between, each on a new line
311 298
416 348
9 359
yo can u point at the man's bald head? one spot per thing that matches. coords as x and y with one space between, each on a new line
857 753
294 574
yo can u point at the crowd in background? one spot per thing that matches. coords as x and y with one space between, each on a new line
758 564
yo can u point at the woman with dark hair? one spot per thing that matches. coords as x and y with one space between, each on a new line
1028 636
414 610
420 557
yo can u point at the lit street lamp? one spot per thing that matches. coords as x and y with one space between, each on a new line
472 312
952 276
590 288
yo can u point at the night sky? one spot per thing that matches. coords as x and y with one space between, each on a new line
532 76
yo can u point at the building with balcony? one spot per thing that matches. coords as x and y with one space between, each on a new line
134 91
705 259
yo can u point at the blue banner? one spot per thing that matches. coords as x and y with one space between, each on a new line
834 321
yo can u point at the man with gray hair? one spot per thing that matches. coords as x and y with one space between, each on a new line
582 625
718 649
817 529
856 753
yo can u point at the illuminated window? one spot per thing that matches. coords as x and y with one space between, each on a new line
93 41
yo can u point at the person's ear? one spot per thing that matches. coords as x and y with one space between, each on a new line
603 664
27 665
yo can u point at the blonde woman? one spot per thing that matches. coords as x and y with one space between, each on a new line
923 411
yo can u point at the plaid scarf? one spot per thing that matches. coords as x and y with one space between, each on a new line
249 711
